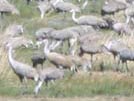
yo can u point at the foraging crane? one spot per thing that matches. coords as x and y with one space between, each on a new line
111 7
14 30
115 46
82 29
62 6
48 74
59 36
68 33
18 42
89 44
124 56
65 61
59 60
42 32
6 7
122 28
43 7
91 20
129 13
23 71
130 1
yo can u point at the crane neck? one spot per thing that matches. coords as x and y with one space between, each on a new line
10 57
56 2
74 17
85 4
108 45
46 50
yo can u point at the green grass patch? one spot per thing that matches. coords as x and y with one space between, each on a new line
78 85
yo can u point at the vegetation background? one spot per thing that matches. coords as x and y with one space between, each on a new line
107 83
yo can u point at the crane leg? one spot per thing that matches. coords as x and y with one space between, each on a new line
127 67
38 87
23 81
128 19
72 46
119 62
42 14
64 15
2 15
55 44
92 59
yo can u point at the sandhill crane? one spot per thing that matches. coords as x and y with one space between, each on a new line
48 74
91 48
58 60
43 7
18 42
41 33
69 33
112 6
6 7
65 61
89 44
82 29
89 20
129 13
62 6
122 28
130 1
14 30
23 71
115 46
59 36
124 56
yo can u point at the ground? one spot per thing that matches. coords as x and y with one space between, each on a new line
96 98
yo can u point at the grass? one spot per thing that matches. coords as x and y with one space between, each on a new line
76 86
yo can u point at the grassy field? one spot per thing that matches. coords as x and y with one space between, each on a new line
107 83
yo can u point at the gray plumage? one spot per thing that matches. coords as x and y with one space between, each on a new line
48 74
6 7
60 5
126 55
62 35
65 61
82 29
14 30
115 46
38 59
94 36
43 7
129 13
130 1
122 29
18 42
23 71
89 44
41 33
112 7
91 20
